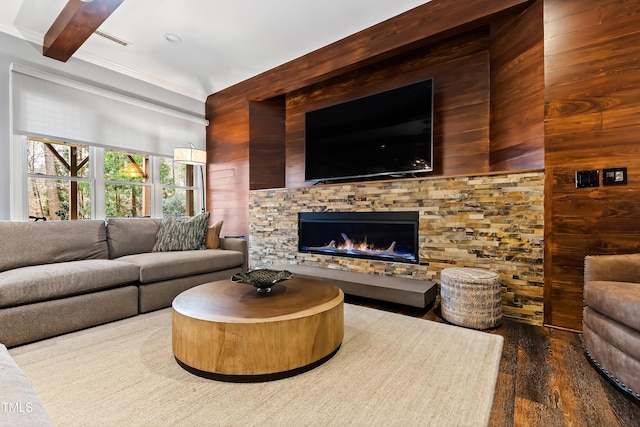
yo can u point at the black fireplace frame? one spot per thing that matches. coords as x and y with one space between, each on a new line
396 217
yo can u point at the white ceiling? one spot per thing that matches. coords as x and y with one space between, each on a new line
223 41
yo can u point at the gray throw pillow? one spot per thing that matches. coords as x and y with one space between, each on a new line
181 233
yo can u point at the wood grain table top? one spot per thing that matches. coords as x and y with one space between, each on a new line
226 301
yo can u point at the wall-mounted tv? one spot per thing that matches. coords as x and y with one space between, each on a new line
387 133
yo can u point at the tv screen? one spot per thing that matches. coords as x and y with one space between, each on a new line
388 133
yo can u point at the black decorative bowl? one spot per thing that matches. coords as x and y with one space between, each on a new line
263 279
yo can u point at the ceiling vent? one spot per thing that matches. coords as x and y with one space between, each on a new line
112 38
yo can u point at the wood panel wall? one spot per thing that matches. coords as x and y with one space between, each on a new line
228 163
267 143
517 91
592 91
228 135
460 71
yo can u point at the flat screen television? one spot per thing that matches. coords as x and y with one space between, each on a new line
387 133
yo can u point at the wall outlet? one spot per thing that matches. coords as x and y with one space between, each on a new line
614 176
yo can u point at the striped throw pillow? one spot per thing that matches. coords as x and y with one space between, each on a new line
181 233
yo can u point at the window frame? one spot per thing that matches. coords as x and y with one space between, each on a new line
66 178
144 184
19 191
194 205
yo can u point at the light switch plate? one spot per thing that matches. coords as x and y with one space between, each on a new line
590 178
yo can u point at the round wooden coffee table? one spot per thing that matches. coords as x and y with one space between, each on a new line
230 332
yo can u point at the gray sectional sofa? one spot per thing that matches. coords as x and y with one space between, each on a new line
62 276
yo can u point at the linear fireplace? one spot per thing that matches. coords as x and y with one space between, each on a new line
387 236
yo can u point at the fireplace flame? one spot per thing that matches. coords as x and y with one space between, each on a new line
359 248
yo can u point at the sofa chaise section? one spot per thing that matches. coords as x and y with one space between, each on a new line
56 277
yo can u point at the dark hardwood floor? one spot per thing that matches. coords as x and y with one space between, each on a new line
545 378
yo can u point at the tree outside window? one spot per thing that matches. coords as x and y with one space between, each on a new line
58 180
177 187
127 192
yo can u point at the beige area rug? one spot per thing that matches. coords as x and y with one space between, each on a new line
391 370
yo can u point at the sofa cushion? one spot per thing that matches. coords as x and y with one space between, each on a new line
617 300
44 282
127 236
181 233
615 268
46 242
625 339
157 266
212 241
20 406
618 365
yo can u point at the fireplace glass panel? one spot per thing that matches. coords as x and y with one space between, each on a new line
389 236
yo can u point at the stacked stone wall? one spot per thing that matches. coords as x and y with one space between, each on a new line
494 222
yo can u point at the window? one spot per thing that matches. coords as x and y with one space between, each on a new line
58 180
127 189
178 187
63 186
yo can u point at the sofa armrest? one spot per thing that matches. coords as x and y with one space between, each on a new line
236 244
612 268
19 404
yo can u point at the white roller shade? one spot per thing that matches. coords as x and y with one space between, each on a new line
52 106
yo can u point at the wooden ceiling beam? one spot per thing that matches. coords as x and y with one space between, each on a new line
73 26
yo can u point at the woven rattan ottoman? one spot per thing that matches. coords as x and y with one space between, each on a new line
471 297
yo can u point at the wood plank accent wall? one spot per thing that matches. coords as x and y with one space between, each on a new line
592 89
517 91
267 143
460 71
418 30
228 172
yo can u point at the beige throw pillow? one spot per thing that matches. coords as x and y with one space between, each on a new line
212 240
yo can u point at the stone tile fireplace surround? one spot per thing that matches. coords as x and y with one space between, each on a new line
488 221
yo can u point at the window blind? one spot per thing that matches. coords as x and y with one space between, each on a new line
52 106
